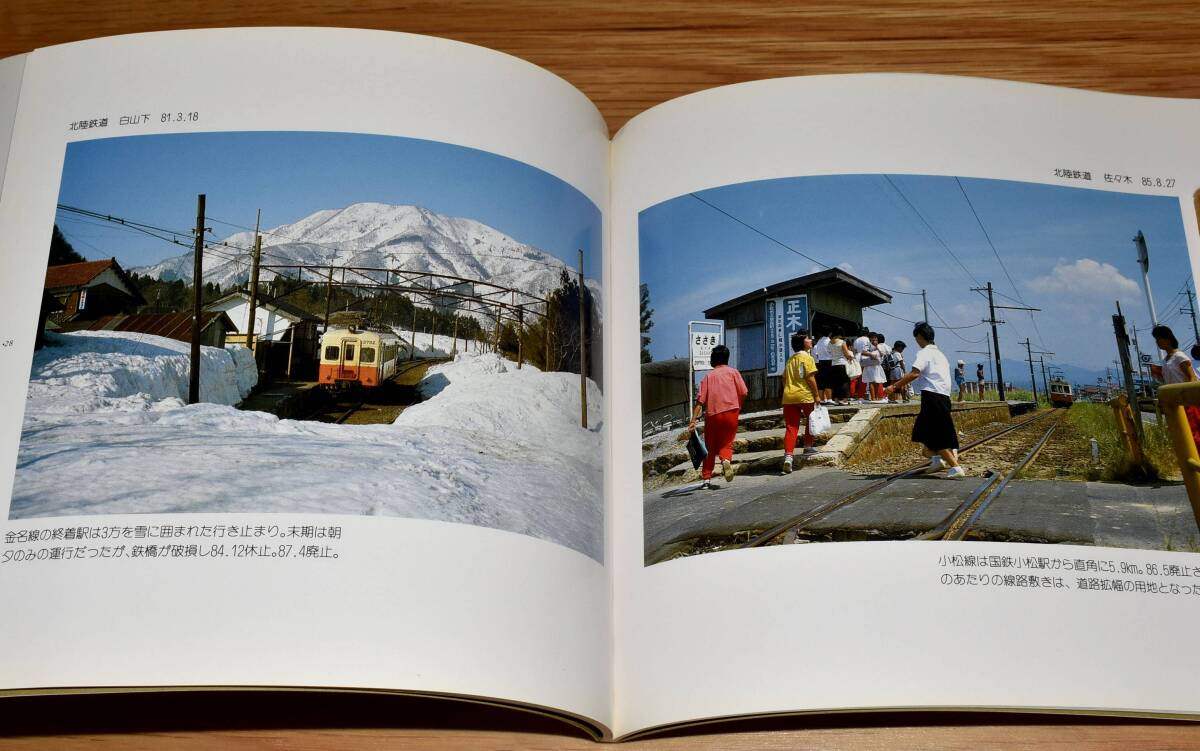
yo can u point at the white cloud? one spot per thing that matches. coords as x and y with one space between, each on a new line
848 268
903 282
1085 277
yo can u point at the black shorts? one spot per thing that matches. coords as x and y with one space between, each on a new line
823 368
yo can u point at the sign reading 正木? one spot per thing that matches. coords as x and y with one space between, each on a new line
784 317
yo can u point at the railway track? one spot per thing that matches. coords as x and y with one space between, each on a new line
959 522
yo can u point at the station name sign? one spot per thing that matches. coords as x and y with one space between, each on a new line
784 317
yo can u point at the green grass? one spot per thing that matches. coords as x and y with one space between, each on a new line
1098 421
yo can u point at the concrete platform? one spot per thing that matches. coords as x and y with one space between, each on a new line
284 399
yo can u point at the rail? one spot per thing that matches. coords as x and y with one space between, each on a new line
820 512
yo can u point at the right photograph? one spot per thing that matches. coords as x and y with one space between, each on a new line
919 357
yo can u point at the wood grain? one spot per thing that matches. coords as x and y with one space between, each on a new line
628 56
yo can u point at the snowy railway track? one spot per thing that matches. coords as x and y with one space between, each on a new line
972 507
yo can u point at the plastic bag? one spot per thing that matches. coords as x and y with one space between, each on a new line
818 421
696 450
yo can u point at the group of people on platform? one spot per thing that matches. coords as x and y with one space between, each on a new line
816 373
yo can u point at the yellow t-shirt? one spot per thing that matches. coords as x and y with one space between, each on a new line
795 383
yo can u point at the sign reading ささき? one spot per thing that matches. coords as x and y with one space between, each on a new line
703 337
784 317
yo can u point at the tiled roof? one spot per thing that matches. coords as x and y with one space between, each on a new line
76 274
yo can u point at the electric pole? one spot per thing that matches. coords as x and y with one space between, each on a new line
197 302
1191 309
254 289
925 306
992 308
1032 379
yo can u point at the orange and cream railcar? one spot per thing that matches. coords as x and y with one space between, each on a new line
1060 393
357 356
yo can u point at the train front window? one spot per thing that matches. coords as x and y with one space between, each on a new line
367 355
331 352
348 351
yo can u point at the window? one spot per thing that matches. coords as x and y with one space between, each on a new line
348 349
331 353
367 355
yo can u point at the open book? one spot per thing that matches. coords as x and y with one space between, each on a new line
428 432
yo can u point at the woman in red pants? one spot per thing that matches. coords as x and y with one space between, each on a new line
721 395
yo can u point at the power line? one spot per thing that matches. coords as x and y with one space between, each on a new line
929 227
999 260
760 232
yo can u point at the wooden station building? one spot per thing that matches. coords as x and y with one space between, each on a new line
758 324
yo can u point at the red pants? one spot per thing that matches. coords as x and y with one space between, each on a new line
793 415
1192 412
857 391
719 431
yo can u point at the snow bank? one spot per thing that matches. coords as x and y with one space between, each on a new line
492 446
117 371
439 345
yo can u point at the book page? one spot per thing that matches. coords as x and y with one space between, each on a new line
11 71
402 488
964 275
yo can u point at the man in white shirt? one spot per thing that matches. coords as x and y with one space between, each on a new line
934 427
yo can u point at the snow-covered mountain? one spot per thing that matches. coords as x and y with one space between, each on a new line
376 235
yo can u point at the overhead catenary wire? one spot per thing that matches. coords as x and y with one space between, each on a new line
806 256
987 236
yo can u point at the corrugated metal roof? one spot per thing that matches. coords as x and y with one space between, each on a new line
176 326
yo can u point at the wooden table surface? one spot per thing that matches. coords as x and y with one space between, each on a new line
627 56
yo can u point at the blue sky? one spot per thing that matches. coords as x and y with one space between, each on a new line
1068 251
289 175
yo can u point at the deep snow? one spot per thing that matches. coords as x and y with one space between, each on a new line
106 431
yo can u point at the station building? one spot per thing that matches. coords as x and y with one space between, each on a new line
758 328
759 324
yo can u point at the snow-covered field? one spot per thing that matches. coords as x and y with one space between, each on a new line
106 431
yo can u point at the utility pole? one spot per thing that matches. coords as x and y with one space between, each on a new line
582 349
925 306
995 336
1123 353
328 298
520 337
412 351
1191 309
250 342
992 308
197 302
1045 381
1032 379
1138 351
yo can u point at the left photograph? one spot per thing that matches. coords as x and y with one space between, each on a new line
330 323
